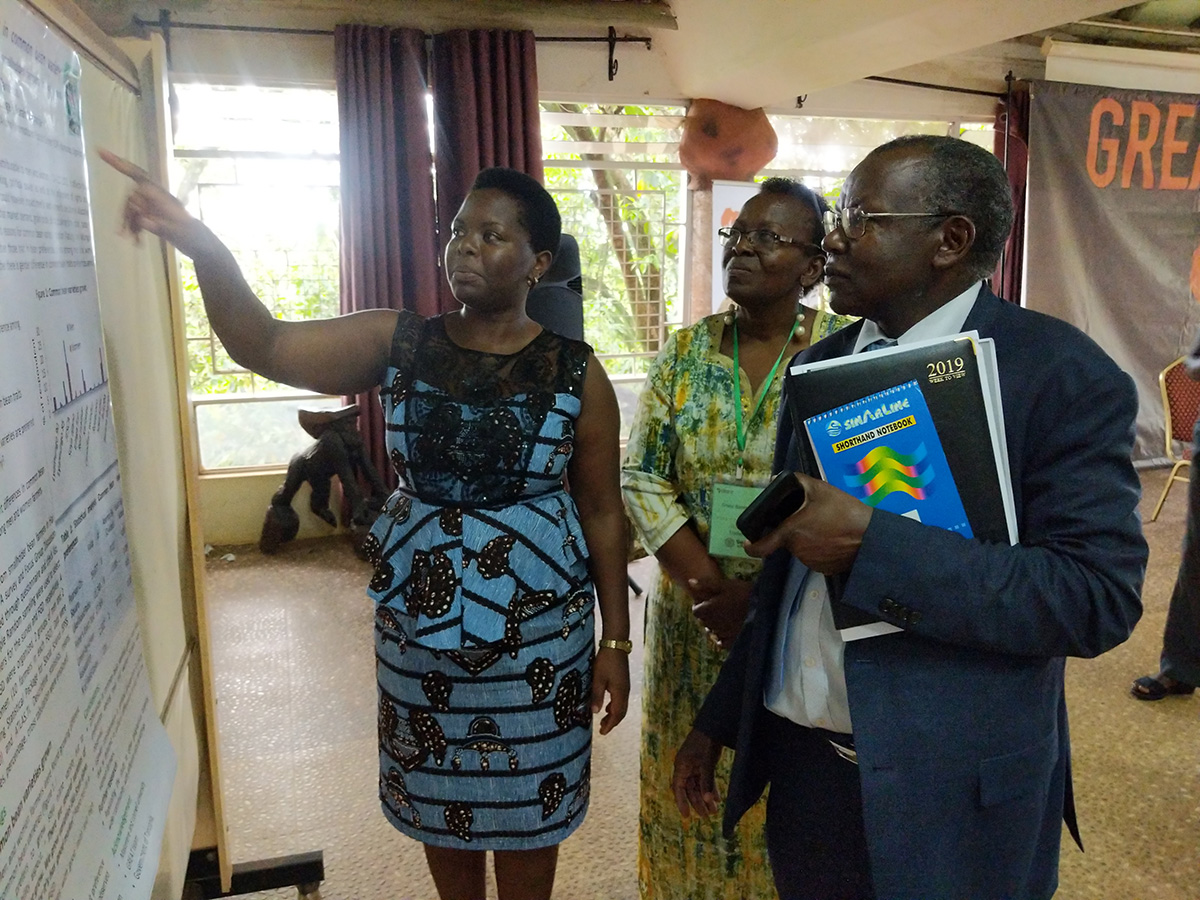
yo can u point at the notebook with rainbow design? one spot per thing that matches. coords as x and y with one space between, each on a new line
960 464
884 450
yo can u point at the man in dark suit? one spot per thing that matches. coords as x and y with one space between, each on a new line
931 763
1179 664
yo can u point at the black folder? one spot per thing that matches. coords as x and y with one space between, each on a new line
951 375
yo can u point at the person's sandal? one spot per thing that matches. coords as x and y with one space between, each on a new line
1153 689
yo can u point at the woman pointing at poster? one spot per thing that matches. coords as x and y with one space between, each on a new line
487 572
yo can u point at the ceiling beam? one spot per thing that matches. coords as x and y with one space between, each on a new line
1115 31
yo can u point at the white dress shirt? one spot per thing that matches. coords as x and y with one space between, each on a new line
807 681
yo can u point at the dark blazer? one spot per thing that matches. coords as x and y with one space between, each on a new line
960 721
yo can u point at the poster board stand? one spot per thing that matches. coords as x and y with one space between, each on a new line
86 767
211 871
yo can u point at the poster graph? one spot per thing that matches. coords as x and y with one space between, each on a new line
74 385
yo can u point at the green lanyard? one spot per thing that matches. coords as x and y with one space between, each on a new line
737 390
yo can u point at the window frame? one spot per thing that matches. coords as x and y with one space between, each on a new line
272 394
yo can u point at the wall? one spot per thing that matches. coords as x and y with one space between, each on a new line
578 72
232 507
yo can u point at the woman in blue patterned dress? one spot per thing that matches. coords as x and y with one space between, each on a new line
487 572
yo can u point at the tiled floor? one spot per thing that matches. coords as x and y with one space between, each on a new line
294 668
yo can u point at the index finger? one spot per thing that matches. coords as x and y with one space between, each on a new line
124 166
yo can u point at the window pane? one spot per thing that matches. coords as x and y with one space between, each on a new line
283 231
835 146
298 121
617 181
254 433
259 166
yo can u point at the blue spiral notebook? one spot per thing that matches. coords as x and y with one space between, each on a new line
884 450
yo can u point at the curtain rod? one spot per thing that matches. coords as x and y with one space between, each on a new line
165 23
270 29
936 87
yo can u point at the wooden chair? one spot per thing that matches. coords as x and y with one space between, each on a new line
1181 405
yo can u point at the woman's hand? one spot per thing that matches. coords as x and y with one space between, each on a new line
151 207
610 675
722 604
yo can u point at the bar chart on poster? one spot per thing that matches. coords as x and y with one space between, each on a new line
85 766
68 384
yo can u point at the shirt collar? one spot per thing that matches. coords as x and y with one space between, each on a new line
944 321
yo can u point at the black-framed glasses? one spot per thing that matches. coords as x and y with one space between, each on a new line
853 219
759 239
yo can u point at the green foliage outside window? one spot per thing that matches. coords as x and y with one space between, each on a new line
296 281
624 209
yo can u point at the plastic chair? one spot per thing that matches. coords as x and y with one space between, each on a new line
1181 405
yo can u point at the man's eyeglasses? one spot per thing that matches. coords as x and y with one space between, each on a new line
759 239
853 219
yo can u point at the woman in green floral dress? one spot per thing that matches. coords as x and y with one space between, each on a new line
689 444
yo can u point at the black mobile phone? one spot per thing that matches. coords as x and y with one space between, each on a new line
778 500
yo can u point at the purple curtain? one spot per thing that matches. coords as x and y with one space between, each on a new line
389 248
485 111
1012 119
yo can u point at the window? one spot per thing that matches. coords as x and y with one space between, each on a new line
820 152
260 167
614 173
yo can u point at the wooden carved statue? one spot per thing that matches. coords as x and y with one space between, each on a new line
339 451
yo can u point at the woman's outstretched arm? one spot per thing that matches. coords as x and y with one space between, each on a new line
343 355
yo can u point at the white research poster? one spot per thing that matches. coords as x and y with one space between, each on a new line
86 768
728 197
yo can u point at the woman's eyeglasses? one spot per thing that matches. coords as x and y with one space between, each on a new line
760 239
853 219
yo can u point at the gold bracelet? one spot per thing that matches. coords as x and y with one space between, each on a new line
611 644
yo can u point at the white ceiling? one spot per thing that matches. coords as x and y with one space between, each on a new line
766 52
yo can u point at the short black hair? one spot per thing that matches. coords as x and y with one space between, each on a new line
793 188
538 211
965 179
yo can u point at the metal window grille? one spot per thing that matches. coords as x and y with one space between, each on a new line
613 172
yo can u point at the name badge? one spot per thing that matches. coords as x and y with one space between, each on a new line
728 502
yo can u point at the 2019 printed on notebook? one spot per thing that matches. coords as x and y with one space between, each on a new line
884 450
